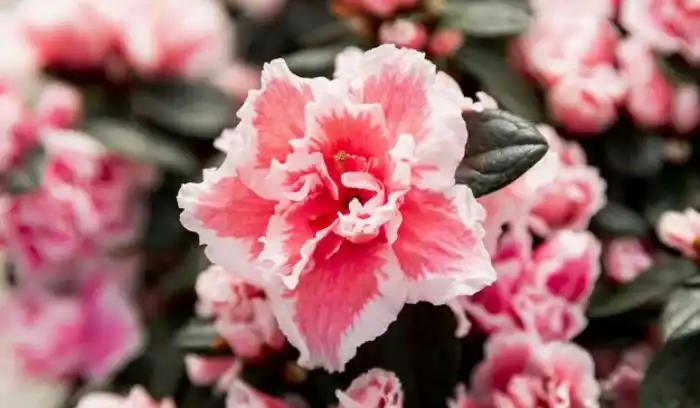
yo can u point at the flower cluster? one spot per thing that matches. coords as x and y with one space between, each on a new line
590 71
132 35
71 312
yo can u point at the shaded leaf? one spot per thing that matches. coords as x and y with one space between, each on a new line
327 34
191 109
313 61
678 70
667 274
185 275
617 220
670 380
490 67
201 337
681 315
166 362
501 147
634 154
134 141
481 18
27 175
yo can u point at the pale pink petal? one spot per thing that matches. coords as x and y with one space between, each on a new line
550 316
439 245
680 230
340 303
376 388
207 370
625 259
685 115
241 395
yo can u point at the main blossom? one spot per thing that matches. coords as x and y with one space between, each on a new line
338 197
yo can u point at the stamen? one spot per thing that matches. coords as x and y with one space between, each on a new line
341 155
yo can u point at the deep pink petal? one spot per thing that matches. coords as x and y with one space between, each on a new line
439 245
340 303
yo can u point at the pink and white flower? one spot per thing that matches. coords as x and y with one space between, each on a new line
445 42
567 264
67 33
622 386
685 110
92 196
593 8
586 102
60 105
521 371
219 371
137 398
650 94
376 388
669 26
330 190
90 333
681 230
243 315
625 259
189 38
241 395
544 292
19 62
403 33
557 45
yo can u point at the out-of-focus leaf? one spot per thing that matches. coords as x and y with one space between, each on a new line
28 174
190 109
681 315
327 34
634 154
166 362
201 337
670 380
313 61
482 18
617 220
185 275
140 144
666 275
491 68
678 70
501 147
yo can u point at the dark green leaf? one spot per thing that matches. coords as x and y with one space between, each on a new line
682 313
313 61
27 175
660 280
201 337
327 34
166 362
185 275
481 18
617 220
491 68
671 378
634 154
678 70
134 141
501 147
190 109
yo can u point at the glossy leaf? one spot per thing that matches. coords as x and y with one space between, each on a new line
489 65
138 143
670 380
617 220
501 147
665 276
681 315
190 109
481 18
27 175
